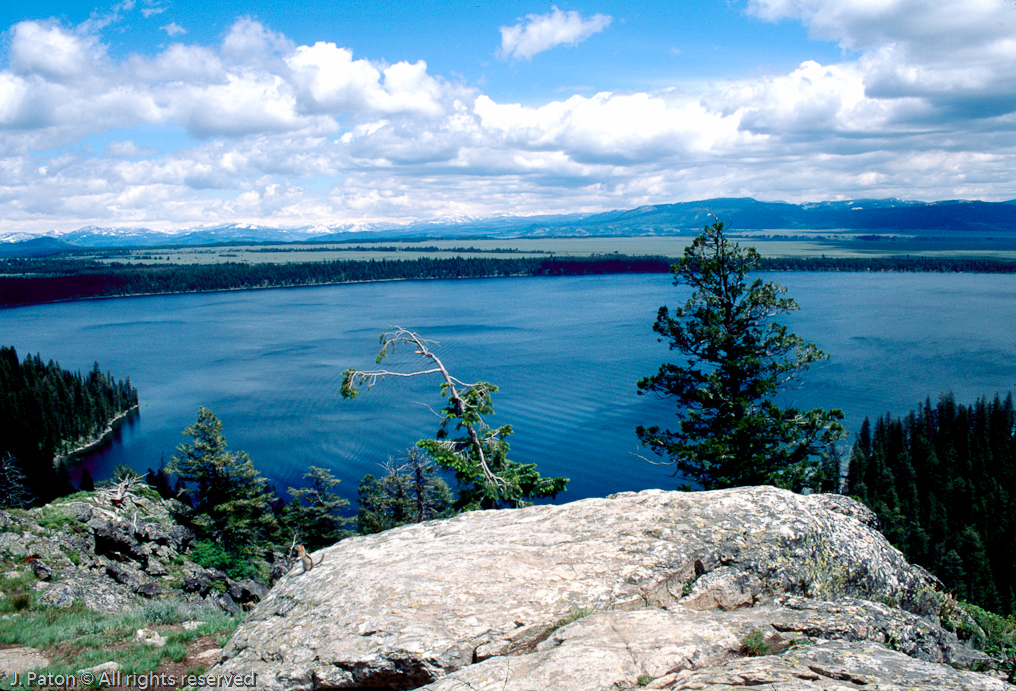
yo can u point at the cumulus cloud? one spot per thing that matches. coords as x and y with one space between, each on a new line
922 104
540 32
51 52
957 56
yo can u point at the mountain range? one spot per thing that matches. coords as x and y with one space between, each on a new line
741 215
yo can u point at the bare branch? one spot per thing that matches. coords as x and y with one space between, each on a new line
398 337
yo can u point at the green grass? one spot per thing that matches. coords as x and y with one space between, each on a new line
17 592
574 614
50 518
93 638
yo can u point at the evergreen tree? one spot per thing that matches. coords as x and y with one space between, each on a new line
410 492
487 478
159 481
231 504
730 430
46 412
315 512
941 482
14 492
87 482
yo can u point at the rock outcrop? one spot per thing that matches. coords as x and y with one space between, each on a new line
655 589
113 557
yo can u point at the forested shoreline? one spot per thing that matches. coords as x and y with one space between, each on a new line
47 412
34 281
941 481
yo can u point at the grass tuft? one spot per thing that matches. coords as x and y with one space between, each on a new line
754 644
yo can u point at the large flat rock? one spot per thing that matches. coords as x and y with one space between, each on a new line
413 605
686 649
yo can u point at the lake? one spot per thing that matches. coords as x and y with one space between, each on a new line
565 352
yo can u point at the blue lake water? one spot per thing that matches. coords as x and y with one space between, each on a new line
565 352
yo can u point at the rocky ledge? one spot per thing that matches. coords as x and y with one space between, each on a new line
113 553
660 590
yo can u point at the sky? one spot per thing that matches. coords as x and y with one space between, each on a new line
178 114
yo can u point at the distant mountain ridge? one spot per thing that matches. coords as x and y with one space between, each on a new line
742 214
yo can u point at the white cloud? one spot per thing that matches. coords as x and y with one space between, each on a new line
330 80
540 32
128 149
958 56
248 41
47 50
173 29
268 131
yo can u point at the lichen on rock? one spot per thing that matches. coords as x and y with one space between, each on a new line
671 582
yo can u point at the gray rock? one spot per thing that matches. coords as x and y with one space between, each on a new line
13 545
149 637
8 520
115 542
412 605
839 503
835 665
94 589
127 574
165 533
78 510
200 586
612 650
150 591
105 667
226 604
41 570
17 660
246 590
154 567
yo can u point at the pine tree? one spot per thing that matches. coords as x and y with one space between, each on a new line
730 431
14 493
87 483
315 512
487 478
410 492
230 500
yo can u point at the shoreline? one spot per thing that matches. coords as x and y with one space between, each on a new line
96 442
904 264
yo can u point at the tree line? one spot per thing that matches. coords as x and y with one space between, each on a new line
942 480
31 281
47 411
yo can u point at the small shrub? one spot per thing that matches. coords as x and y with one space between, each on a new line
214 555
643 679
162 612
754 644
689 586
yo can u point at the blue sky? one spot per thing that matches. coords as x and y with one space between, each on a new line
174 114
